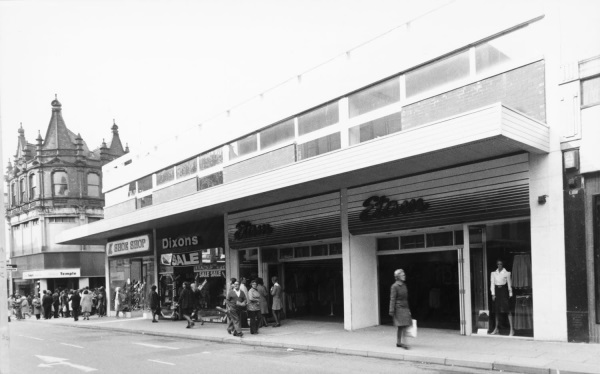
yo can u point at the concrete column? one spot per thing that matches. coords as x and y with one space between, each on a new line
232 263
359 257
43 286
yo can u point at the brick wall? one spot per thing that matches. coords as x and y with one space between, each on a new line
521 89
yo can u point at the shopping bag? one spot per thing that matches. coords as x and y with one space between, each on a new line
411 330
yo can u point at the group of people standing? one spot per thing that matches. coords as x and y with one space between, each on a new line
254 301
64 304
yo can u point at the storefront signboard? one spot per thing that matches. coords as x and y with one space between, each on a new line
52 273
210 270
127 246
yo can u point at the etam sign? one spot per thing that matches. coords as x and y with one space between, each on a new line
180 242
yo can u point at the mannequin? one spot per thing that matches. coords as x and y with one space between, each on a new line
501 288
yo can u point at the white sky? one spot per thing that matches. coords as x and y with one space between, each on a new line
159 67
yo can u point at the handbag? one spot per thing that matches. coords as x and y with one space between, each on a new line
411 330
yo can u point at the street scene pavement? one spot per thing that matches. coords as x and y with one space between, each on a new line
446 350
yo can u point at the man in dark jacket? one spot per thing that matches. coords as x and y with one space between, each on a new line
75 304
47 304
186 303
154 304
55 303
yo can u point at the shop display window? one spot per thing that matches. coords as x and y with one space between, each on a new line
133 277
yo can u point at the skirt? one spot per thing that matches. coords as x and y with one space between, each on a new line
501 305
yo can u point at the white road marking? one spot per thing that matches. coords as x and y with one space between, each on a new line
53 361
162 362
72 345
30 337
155 346
205 352
95 322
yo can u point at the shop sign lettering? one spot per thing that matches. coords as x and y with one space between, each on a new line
185 259
182 241
126 246
245 229
382 207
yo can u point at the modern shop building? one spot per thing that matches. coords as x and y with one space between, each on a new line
54 185
438 154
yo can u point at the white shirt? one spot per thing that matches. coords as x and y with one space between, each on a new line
500 278
237 292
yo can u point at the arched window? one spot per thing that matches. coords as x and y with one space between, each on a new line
60 186
22 190
93 185
32 187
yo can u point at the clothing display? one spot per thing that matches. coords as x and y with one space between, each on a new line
501 304
521 271
523 319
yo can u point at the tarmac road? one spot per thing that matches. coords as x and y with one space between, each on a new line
40 347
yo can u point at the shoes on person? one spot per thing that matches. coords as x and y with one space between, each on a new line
201 322
193 324
403 346
512 333
277 325
495 332
188 327
154 321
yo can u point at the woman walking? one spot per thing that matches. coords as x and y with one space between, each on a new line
86 304
277 305
399 308
25 307
119 301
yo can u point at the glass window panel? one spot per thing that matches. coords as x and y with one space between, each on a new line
319 250
132 189
145 183
590 91
93 184
509 47
277 134
186 168
386 244
374 97
335 249
412 241
440 239
269 254
319 146
13 194
376 128
23 188
319 118
210 159
243 146
459 238
60 184
302 252
437 73
165 176
286 253
210 180
32 186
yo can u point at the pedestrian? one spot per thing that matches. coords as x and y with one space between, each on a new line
55 303
37 307
119 301
25 308
253 307
154 303
64 303
86 304
16 302
186 303
101 302
75 300
277 305
501 288
399 308
237 301
47 304
264 303
229 306
10 308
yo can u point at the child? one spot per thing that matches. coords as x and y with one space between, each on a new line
154 304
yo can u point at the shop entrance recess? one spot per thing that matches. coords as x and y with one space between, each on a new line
507 309
434 267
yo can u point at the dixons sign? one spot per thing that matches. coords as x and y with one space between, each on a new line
127 246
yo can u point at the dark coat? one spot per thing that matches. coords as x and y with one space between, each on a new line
154 300
186 299
47 301
233 299
399 308
75 301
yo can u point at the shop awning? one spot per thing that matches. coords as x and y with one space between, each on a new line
485 133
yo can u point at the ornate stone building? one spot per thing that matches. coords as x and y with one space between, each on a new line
55 184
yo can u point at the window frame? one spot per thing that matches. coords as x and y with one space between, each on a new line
54 184
32 186
98 185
